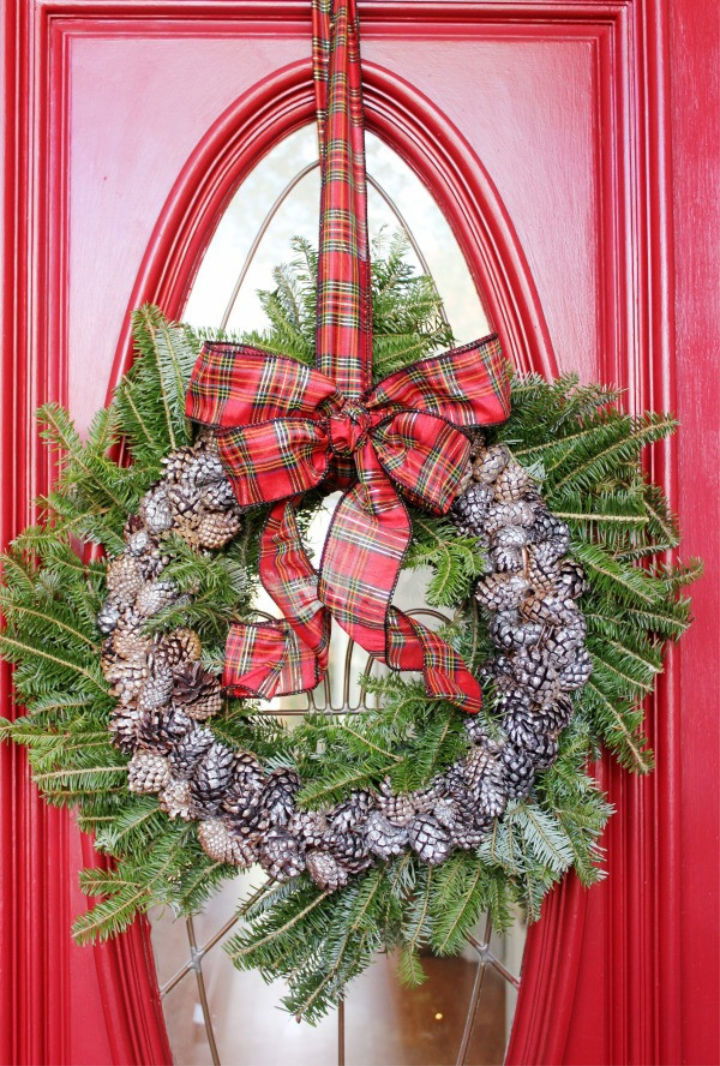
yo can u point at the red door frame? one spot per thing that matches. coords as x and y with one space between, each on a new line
627 972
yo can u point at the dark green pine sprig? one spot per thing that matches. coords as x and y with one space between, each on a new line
586 455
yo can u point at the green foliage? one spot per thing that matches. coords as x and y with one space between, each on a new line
587 457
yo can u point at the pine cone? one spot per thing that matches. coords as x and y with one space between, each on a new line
212 776
130 643
542 572
325 870
512 483
281 855
124 579
562 642
148 772
177 463
222 845
518 770
188 752
470 510
278 795
555 716
198 691
352 812
577 672
184 500
517 513
350 847
155 511
382 837
160 729
501 592
309 826
179 647
490 462
431 841
127 677
123 726
550 608
218 496
534 672
487 787
108 616
508 630
551 535
139 541
155 596
175 799
400 809
248 774
157 690
216 529
573 581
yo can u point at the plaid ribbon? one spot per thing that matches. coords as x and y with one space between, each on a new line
284 428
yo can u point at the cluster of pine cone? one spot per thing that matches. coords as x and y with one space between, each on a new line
247 815
530 596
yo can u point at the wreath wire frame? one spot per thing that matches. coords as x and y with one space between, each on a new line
572 440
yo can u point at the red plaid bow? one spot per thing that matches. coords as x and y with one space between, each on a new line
284 428
281 428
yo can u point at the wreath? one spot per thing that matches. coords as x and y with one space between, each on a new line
390 828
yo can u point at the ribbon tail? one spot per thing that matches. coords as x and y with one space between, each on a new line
412 646
268 659
279 658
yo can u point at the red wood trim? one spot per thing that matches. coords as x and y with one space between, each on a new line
625 973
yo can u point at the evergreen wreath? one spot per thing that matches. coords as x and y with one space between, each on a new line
394 828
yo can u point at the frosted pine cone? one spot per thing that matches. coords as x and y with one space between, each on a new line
176 799
470 510
278 795
214 530
222 845
577 672
281 855
157 690
490 462
572 579
178 647
352 812
212 775
501 592
383 838
508 630
198 691
431 841
549 608
326 871
188 752
148 772
154 596
518 770
124 579
512 483
155 511
108 616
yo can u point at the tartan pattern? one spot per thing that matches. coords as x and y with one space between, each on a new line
282 447
284 428
344 304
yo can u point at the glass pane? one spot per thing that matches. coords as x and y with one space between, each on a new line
465 1008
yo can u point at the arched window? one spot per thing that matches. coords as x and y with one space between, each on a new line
215 1014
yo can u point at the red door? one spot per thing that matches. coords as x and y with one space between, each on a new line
570 145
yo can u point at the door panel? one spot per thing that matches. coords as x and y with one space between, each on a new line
570 147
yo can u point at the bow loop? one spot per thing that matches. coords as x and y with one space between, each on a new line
424 455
